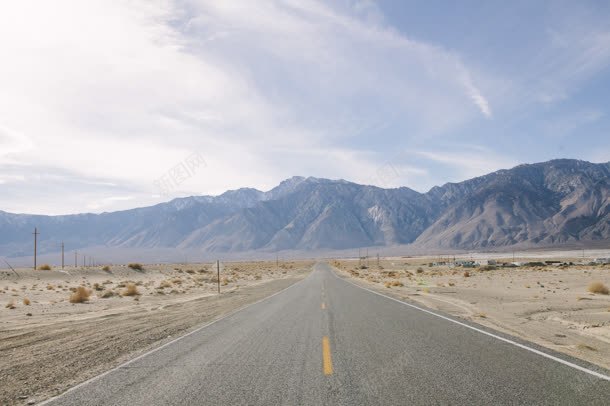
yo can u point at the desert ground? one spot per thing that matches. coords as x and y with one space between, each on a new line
552 305
61 327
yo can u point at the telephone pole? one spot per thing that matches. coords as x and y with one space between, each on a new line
62 255
35 244
75 259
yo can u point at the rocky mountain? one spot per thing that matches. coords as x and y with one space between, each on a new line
554 202
547 203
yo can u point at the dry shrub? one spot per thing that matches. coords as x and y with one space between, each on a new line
190 271
420 270
107 294
426 290
80 295
598 287
224 281
165 284
466 274
26 301
106 268
10 304
451 283
136 266
50 287
393 283
481 315
586 347
98 287
44 267
131 290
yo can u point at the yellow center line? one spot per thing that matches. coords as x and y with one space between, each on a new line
323 306
327 362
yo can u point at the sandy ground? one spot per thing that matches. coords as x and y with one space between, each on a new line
548 305
48 344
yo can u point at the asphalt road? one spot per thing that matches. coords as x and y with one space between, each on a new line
324 341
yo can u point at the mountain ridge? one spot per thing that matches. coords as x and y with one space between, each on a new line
551 202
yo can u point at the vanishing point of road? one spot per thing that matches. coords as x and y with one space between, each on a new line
325 341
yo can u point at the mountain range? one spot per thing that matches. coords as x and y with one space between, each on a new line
550 203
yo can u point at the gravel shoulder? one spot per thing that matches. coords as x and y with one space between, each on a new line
64 344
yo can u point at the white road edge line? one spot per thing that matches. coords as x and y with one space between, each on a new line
506 340
95 378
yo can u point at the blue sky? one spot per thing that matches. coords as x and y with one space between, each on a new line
103 101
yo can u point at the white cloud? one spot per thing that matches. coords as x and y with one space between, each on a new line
121 91
108 201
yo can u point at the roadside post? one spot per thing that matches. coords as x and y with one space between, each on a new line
35 245
218 275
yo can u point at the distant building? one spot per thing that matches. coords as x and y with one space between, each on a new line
492 262
466 264
602 260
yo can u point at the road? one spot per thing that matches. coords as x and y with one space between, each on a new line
325 341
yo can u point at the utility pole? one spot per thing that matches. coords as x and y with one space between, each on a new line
75 259
84 261
35 245
62 255
218 274
377 259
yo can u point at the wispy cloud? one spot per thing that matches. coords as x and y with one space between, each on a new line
475 94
